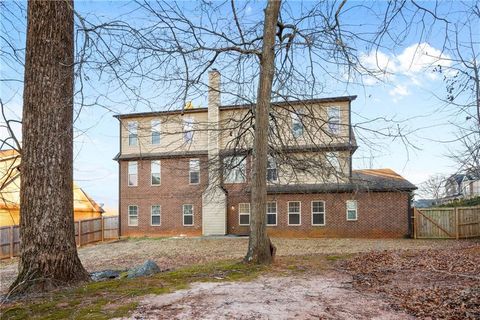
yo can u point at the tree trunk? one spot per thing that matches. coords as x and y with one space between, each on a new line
48 250
260 249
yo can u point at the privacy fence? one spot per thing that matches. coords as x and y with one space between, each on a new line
86 231
447 223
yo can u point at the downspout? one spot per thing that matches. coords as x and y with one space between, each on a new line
350 136
409 215
119 181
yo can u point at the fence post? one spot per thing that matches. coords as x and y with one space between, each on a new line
456 224
103 229
11 242
79 233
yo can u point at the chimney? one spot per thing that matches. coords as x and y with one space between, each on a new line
213 132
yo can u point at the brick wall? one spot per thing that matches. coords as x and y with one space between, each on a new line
380 214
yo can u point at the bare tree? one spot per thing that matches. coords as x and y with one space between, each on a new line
434 188
48 252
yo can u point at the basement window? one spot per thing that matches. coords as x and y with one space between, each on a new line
155 215
352 214
244 214
132 216
294 212
188 214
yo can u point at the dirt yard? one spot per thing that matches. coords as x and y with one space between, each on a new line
310 279
171 253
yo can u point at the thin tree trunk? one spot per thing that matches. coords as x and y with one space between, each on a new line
260 249
48 250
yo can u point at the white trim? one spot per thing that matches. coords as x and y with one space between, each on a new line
132 129
128 174
160 173
159 215
276 214
244 214
128 215
356 210
159 131
183 215
189 172
299 213
324 213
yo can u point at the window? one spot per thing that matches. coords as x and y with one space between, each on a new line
318 213
297 123
352 210
133 216
155 215
271 213
132 173
272 174
333 163
132 133
234 169
188 130
155 132
188 214
194 171
244 214
294 210
334 120
155 169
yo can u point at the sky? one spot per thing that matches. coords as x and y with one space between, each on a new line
406 95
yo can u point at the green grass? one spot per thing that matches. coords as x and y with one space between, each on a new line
462 203
116 298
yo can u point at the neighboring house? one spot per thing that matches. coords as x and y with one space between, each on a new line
462 186
84 206
182 172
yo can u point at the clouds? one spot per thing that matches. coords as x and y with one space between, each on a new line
411 67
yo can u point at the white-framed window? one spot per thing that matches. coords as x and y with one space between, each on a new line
132 216
294 213
334 120
155 169
234 169
318 213
188 214
333 163
272 172
352 212
155 215
244 214
155 131
271 213
132 127
297 123
132 173
194 171
188 130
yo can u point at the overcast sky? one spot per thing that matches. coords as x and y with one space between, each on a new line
407 95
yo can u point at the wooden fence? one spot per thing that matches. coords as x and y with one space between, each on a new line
447 223
86 231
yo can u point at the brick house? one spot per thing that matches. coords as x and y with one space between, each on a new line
186 172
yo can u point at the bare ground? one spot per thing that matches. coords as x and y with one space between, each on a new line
171 253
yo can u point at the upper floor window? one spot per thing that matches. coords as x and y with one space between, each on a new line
297 123
155 124
318 213
244 214
132 133
334 120
234 169
155 169
352 214
333 163
272 173
155 215
132 173
188 130
271 213
188 214
194 171
133 216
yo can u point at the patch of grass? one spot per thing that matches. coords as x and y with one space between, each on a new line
338 257
115 298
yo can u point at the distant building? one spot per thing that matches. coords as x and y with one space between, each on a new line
84 206
462 186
